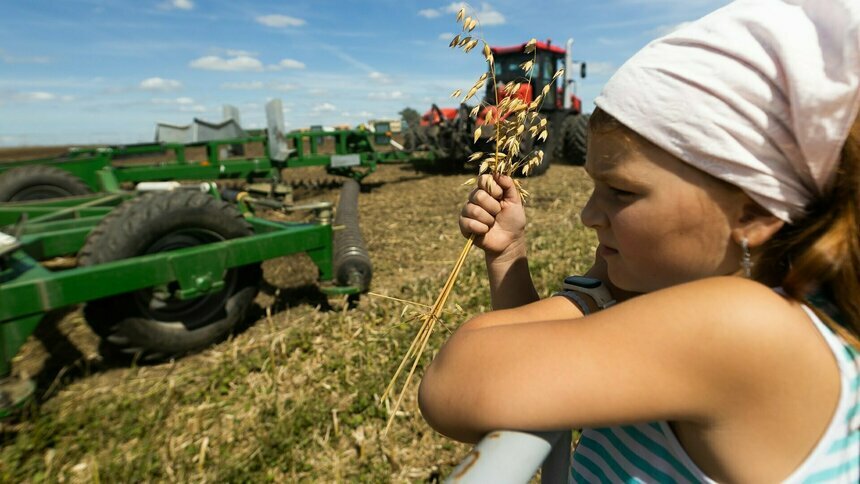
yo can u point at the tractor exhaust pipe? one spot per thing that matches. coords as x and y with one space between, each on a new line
567 82
352 265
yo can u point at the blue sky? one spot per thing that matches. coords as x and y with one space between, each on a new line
105 71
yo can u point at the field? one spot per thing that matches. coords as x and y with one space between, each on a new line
293 395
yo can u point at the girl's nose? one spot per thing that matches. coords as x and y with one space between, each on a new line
590 215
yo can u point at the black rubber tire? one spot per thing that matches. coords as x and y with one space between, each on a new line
527 147
128 323
39 182
543 167
574 143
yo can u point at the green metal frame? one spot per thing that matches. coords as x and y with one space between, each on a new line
92 165
59 227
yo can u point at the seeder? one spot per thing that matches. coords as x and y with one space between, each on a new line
166 268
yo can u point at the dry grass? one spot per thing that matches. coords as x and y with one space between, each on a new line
294 395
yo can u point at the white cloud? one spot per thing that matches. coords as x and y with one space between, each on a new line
429 13
197 108
486 16
324 107
243 85
379 77
215 63
291 64
385 95
279 21
283 86
317 91
598 68
178 5
181 101
492 18
159 84
456 6
447 36
10 59
35 96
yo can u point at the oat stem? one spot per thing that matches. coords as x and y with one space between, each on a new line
424 333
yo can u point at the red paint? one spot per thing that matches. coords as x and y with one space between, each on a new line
519 48
432 117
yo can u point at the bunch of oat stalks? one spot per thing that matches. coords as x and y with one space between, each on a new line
513 123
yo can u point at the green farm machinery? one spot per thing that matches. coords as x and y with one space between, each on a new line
87 170
165 268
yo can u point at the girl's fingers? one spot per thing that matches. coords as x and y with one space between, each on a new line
499 187
508 189
475 212
486 201
470 226
489 184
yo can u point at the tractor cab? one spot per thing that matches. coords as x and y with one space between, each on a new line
547 58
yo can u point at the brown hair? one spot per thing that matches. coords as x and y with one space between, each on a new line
819 255
815 259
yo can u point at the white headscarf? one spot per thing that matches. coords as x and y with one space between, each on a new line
760 93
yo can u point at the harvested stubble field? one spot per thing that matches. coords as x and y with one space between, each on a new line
294 394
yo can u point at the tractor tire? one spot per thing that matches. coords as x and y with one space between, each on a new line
529 146
544 164
152 324
574 140
39 182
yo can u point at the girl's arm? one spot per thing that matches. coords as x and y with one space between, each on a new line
494 215
668 355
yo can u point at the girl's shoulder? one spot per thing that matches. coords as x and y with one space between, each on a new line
747 307
764 331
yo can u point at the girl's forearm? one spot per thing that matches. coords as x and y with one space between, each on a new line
511 283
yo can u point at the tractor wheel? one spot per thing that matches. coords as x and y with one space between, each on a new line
527 147
153 323
574 134
39 182
545 162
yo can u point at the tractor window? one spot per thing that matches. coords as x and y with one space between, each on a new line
508 68
547 71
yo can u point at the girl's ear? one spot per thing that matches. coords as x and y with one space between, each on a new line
755 224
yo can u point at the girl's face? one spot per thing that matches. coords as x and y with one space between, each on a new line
660 222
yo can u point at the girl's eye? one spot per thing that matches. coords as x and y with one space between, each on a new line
621 193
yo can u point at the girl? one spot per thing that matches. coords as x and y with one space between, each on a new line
726 166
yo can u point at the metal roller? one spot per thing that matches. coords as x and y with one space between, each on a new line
352 265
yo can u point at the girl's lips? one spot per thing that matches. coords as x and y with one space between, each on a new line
604 251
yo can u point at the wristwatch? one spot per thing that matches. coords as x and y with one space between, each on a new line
575 287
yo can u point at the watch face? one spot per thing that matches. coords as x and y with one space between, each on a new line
584 282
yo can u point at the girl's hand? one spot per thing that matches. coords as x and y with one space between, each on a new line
495 215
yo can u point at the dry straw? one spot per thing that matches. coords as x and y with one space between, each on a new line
513 123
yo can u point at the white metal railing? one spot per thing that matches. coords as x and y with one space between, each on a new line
508 456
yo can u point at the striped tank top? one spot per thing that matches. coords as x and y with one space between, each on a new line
650 452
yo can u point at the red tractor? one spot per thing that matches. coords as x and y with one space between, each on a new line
447 132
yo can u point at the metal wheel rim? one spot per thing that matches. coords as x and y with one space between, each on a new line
193 313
